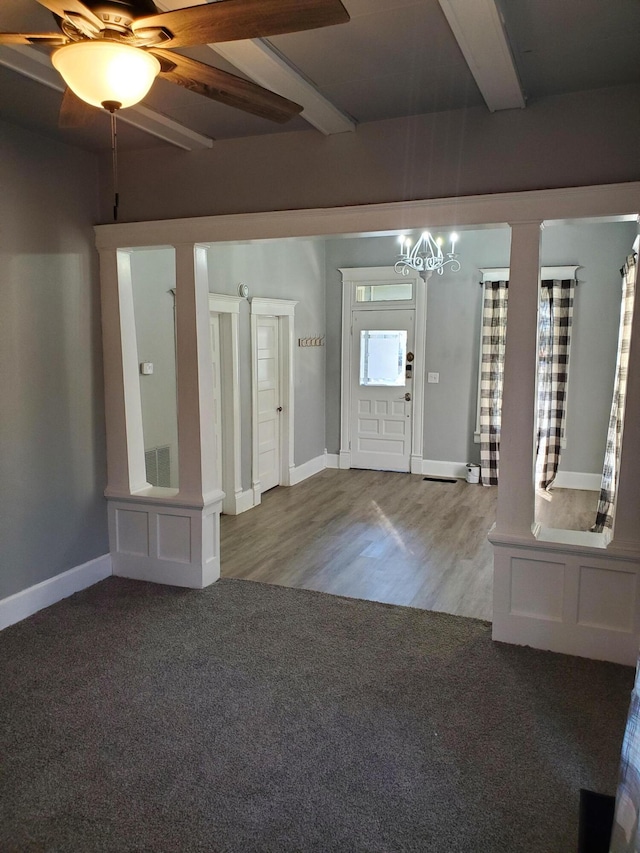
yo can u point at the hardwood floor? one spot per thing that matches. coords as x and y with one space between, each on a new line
381 536
568 509
367 534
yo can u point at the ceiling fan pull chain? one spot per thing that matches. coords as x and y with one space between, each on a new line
114 154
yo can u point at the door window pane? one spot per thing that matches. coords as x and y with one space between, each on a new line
382 357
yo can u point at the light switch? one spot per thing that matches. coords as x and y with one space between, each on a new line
433 377
146 368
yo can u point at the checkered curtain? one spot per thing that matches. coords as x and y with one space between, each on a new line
625 837
494 327
555 315
606 504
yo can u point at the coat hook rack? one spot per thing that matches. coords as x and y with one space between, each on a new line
317 341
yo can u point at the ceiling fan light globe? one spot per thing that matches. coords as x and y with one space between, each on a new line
99 71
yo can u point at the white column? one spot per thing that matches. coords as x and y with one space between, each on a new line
626 528
199 479
516 498
123 410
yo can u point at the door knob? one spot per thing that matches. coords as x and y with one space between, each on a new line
279 409
407 396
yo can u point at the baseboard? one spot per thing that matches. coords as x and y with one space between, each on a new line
578 480
440 468
28 601
307 469
237 503
331 460
344 460
430 467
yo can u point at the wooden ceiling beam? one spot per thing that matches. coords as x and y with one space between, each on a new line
264 65
478 27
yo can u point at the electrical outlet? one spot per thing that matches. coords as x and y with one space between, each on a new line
433 377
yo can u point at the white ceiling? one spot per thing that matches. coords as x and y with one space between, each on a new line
394 58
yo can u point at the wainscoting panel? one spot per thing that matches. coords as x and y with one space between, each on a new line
132 527
174 537
537 589
606 598
568 599
165 544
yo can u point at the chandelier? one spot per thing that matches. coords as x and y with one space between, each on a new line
426 256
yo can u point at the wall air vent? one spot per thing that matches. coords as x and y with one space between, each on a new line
157 462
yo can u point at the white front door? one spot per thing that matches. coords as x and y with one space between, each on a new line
269 407
381 389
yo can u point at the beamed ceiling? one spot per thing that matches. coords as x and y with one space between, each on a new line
393 58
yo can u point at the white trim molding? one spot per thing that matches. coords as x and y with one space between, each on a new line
307 469
620 202
578 480
228 310
28 601
244 501
441 468
331 460
561 273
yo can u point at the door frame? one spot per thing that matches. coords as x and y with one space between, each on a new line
283 310
351 278
230 477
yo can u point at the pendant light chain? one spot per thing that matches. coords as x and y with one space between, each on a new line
114 154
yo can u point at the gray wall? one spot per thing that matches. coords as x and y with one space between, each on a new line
153 275
52 444
566 140
280 269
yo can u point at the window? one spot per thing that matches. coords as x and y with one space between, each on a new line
387 292
382 357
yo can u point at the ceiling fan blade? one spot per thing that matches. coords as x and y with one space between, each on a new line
74 112
224 87
33 38
229 20
74 7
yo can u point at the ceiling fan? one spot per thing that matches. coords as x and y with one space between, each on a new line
109 52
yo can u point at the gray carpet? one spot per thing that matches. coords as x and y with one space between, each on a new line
256 718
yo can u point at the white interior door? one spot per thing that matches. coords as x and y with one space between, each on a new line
269 408
217 390
381 389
